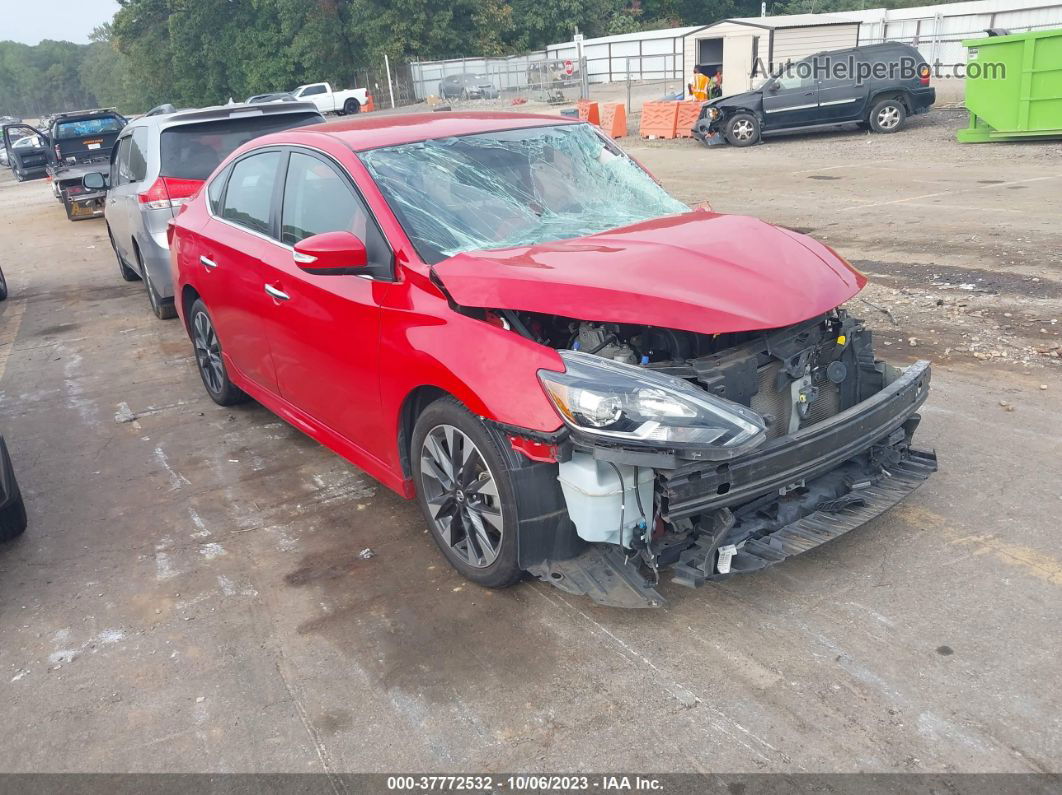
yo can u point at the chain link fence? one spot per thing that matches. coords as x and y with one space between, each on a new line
508 80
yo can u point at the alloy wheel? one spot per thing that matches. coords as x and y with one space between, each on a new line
462 495
888 117
742 131
208 352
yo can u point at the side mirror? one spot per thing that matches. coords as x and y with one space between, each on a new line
771 87
94 180
331 253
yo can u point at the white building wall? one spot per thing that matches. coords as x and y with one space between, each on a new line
792 44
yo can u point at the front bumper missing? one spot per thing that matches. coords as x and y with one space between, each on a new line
792 495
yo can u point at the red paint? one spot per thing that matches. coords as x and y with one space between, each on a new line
341 356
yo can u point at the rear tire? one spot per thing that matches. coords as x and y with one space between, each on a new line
742 129
3 286
209 359
351 106
887 116
461 489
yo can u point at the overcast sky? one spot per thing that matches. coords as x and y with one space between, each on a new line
62 20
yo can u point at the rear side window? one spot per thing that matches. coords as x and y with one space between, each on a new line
312 90
82 128
215 189
249 198
138 155
193 151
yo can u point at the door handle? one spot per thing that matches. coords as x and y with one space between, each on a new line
208 262
277 293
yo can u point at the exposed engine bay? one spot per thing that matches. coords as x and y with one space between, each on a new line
827 446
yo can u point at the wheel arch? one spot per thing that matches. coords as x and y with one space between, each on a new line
891 93
189 295
411 408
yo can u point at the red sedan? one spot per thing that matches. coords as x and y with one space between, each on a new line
508 319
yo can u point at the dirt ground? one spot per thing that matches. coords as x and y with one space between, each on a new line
190 596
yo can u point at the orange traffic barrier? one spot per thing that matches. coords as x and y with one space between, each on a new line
688 111
614 119
588 111
369 105
658 120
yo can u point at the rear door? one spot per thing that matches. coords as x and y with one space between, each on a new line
791 100
232 246
324 331
842 88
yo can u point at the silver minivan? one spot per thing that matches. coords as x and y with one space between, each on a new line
159 161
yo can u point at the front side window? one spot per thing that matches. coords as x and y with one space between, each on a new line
249 198
514 188
309 92
317 200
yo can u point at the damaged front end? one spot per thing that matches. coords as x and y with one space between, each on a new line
709 455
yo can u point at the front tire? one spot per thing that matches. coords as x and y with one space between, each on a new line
466 493
3 286
887 116
209 359
742 129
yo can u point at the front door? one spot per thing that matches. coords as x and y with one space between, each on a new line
324 330
117 210
231 251
792 99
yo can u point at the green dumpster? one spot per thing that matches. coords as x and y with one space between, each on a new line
1014 87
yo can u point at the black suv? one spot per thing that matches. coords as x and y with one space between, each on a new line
877 86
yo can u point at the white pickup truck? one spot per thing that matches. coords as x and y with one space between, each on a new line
351 100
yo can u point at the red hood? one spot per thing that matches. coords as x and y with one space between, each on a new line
699 272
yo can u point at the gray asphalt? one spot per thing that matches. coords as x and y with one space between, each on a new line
189 595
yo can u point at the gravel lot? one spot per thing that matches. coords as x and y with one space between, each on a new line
189 595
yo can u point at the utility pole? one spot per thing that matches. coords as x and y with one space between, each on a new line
390 88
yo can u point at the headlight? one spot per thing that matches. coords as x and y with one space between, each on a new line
713 113
630 404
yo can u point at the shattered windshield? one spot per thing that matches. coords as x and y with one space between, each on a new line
513 188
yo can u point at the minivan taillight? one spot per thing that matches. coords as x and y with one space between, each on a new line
169 192
923 74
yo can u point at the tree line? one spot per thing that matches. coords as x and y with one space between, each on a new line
200 52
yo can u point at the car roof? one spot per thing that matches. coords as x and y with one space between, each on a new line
372 131
223 113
